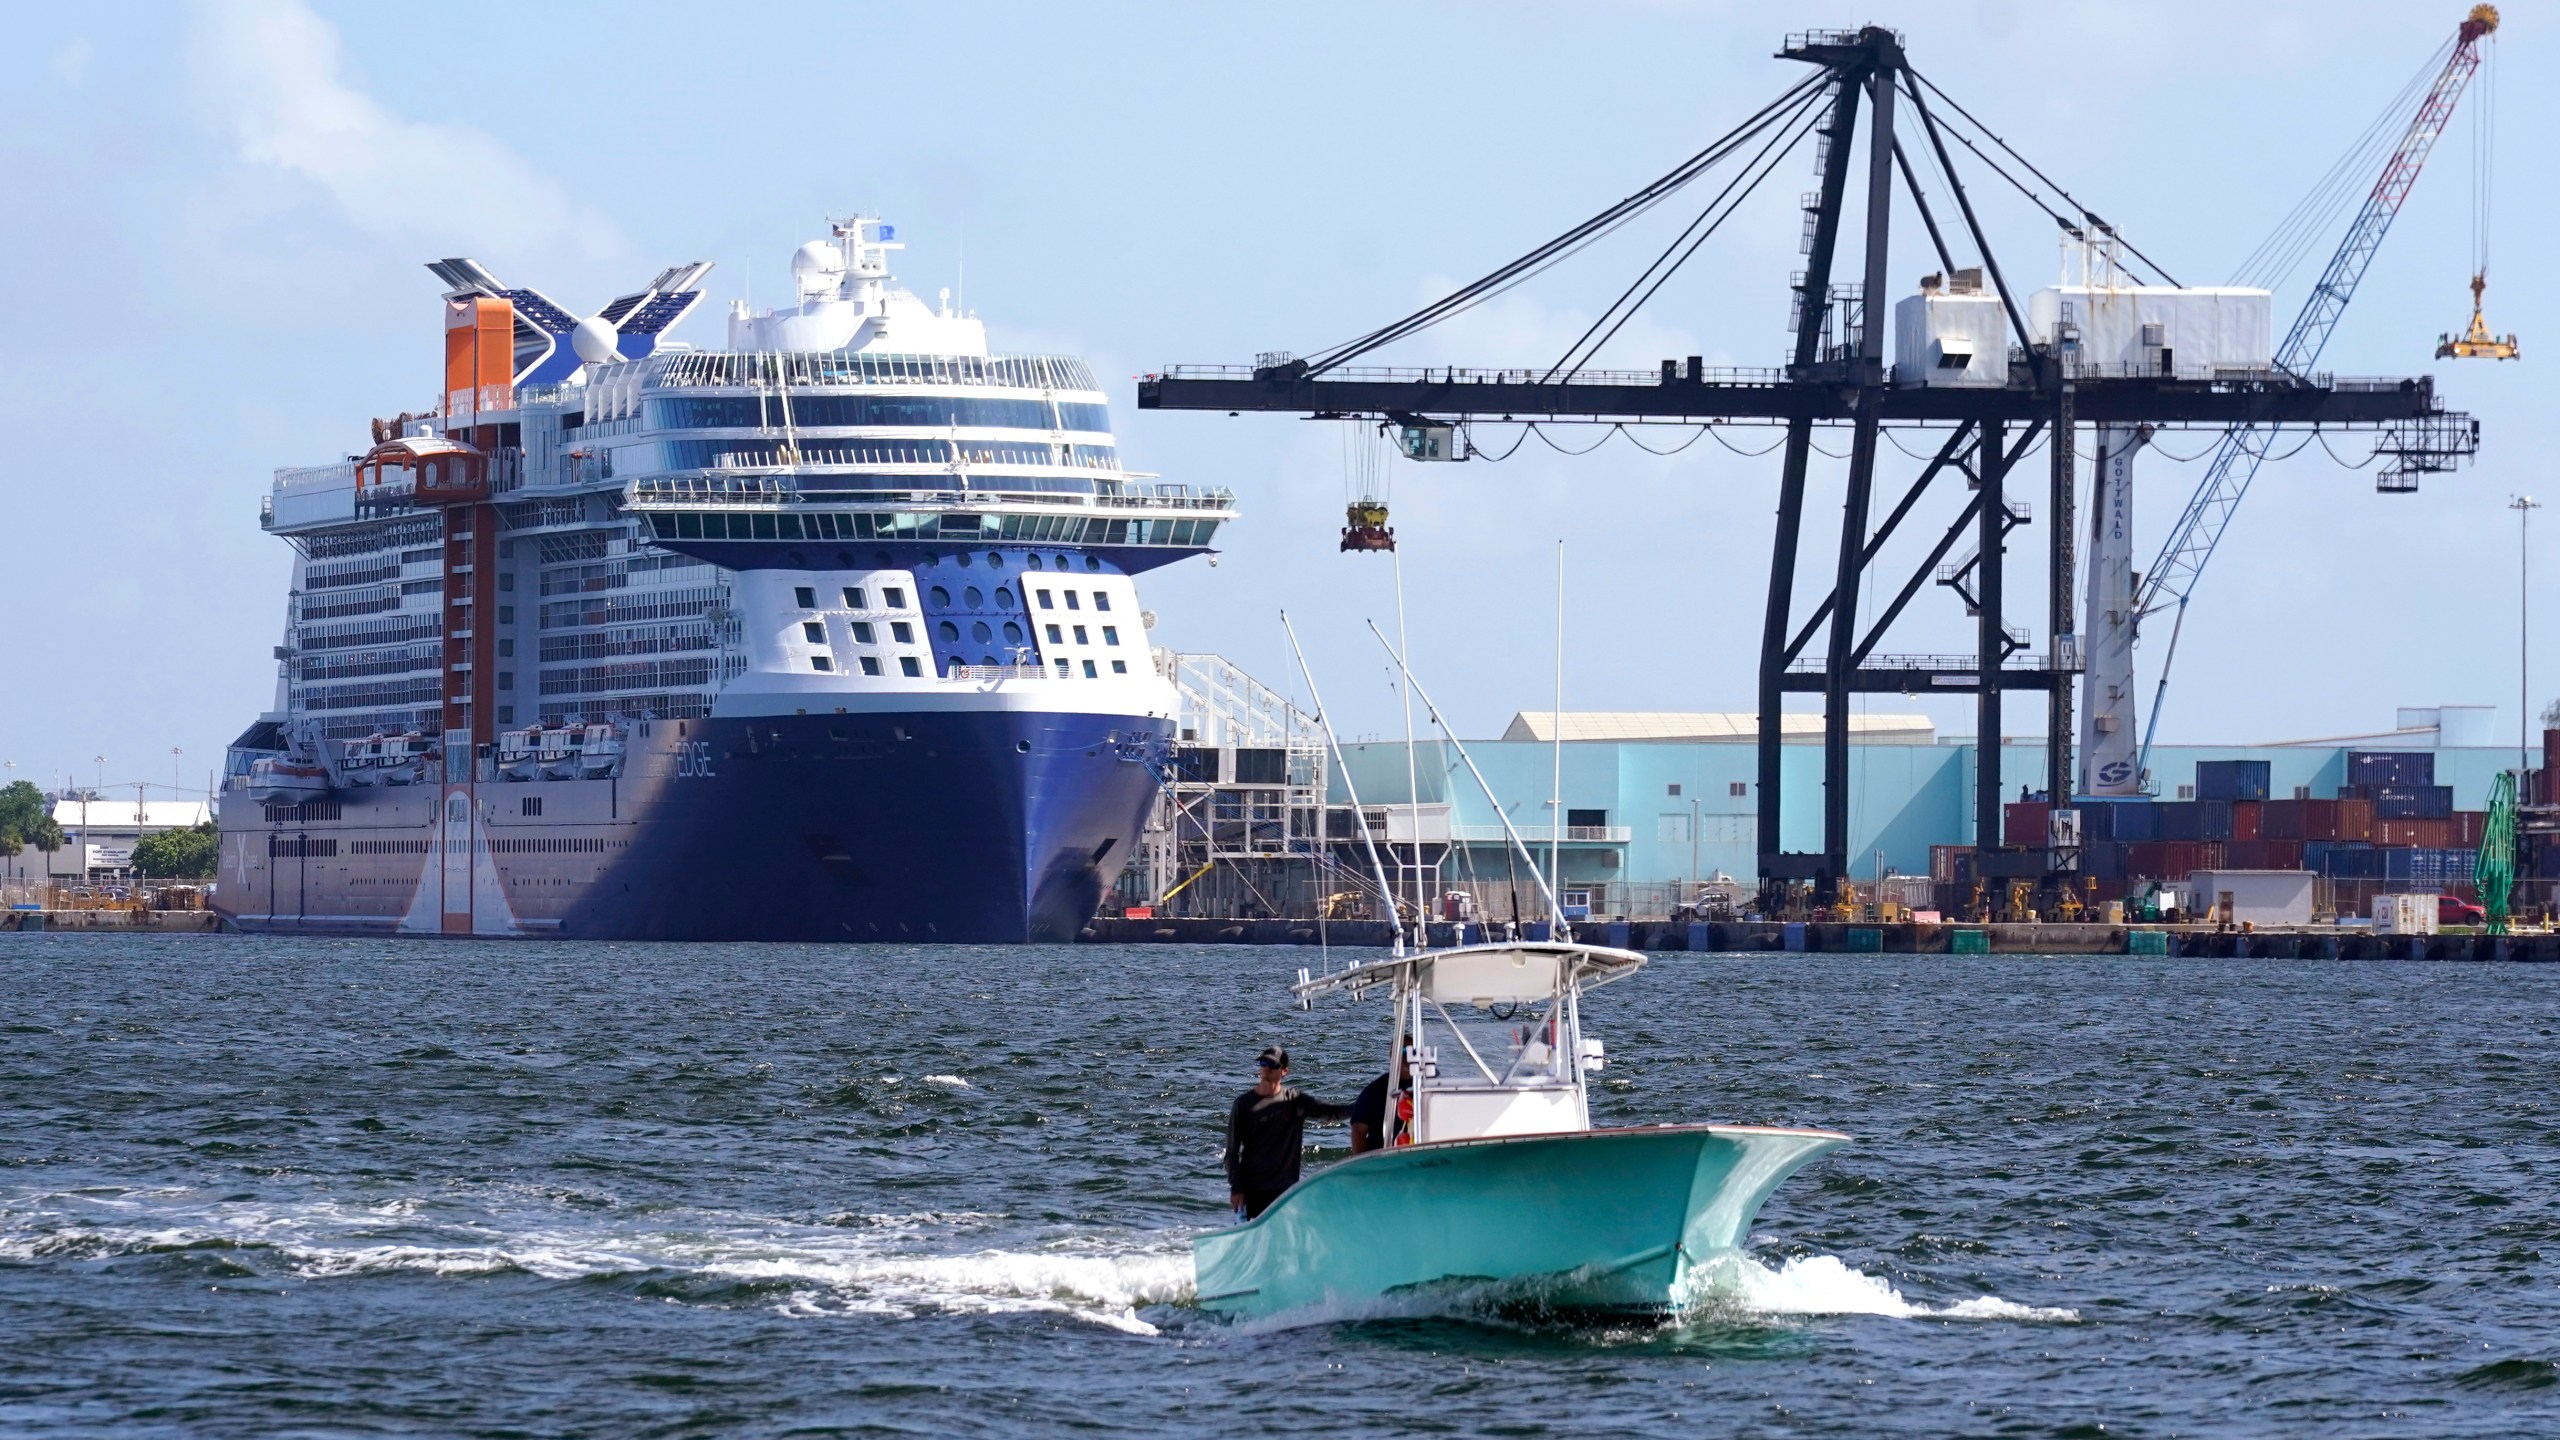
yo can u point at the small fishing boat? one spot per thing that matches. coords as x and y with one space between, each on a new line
1491 1175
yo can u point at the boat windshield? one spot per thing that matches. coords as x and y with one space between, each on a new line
1502 1047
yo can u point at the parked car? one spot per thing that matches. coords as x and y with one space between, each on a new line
2453 910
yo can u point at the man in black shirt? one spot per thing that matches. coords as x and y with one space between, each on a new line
1369 1111
1266 1135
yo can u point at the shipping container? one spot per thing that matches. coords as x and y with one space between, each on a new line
2391 767
2027 823
2246 819
2470 827
2350 820
2413 832
2196 820
2412 802
2232 779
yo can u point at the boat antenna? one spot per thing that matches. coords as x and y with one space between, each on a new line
1395 921
1412 774
1555 911
1555 738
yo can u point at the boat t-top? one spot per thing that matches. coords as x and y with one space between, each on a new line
1491 1173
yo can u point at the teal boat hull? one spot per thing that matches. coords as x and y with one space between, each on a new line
1609 1221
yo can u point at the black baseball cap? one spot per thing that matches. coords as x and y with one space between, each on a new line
1273 1057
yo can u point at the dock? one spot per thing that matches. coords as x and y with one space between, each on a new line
2319 942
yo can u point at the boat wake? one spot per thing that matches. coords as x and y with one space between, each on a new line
1739 1287
900 1265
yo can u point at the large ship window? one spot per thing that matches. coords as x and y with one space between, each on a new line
1054 637
1119 667
1012 633
862 632
1088 671
941 598
950 632
821 662
1004 597
894 598
975 597
982 634
1080 636
908 667
1046 603
1101 601
870 665
804 596
813 632
1110 634
1072 602
853 598
902 632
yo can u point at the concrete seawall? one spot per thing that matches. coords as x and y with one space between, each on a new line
2304 943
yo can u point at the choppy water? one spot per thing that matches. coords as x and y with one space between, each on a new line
254 1187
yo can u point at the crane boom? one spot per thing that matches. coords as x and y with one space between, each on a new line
2172 578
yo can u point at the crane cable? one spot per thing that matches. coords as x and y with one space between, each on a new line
2086 214
1572 241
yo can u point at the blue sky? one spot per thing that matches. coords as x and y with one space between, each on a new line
219 214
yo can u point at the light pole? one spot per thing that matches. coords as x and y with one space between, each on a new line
2524 506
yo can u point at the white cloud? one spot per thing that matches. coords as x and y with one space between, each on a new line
273 72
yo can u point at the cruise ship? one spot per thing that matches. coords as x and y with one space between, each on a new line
831 634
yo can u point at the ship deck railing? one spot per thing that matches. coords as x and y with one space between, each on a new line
981 674
778 490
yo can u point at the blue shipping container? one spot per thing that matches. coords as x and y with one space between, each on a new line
2391 767
2233 779
2412 802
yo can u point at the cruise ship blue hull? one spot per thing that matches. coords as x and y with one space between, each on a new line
983 827
973 828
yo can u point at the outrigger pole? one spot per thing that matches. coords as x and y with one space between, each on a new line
1385 892
1556 928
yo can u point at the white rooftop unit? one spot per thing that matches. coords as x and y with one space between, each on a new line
1951 334
2101 324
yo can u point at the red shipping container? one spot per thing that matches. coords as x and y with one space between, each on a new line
2245 819
2430 834
2282 819
2469 826
2028 823
2282 854
2354 821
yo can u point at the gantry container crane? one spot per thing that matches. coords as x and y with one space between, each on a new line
2171 581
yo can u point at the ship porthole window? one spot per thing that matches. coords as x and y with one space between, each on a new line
995 559
982 634
950 631
977 598
1012 633
941 597
1093 562
1032 560
963 558
1004 597
987 660
1062 562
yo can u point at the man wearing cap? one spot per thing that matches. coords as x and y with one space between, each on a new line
1266 1135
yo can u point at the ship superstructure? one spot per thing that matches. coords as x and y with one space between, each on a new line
831 633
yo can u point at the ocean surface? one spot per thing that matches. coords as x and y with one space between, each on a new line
258 1187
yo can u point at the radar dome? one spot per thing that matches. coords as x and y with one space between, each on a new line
817 267
595 341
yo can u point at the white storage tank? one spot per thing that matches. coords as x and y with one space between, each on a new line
1953 332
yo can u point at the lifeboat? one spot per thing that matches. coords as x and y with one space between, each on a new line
520 753
602 754
280 780
562 755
